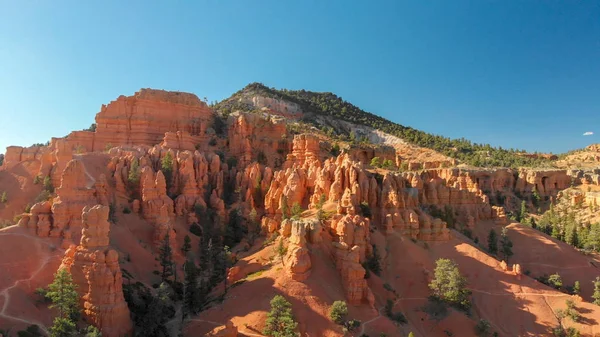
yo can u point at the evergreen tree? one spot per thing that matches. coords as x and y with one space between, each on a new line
493 242
285 210
596 294
449 285
338 312
48 184
62 292
373 262
376 162
166 258
523 212
411 334
3 197
234 230
281 250
555 281
296 211
187 245
506 244
192 298
134 172
571 236
576 288
166 165
280 322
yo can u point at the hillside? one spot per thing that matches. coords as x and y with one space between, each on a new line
316 105
178 218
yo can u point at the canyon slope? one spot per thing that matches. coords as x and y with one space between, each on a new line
299 194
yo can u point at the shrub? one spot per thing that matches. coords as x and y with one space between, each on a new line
28 208
37 180
482 329
126 210
4 197
43 196
296 211
352 324
48 184
555 281
338 312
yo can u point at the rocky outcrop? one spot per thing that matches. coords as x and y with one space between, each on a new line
297 260
145 117
257 135
347 261
95 270
76 191
227 330
154 195
305 148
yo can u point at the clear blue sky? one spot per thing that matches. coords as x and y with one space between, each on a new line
523 74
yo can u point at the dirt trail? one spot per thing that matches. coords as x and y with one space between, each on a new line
6 292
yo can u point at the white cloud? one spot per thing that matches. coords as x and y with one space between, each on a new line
589 133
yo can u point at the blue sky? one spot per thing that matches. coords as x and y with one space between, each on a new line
522 74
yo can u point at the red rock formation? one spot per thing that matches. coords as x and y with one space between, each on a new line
297 260
251 134
145 117
75 192
154 195
305 148
353 274
95 269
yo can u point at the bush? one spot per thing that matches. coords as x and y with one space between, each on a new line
4 197
43 196
296 211
48 184
126 210
555 281
37 180
482 329
352 324
397 317
338 312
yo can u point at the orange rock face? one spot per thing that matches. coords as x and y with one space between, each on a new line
145 117
95 269
253 134
75 192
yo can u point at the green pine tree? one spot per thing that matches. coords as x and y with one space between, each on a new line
63 294
166 165
166 258
280 321
449 285
506 244
493 242
576 288
285 209
596 294
3 197
187 245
